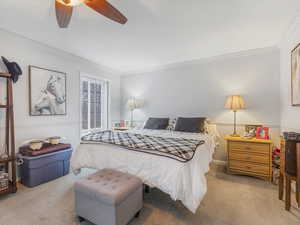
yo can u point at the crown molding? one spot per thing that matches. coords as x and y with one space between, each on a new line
64 54
117 72
244 53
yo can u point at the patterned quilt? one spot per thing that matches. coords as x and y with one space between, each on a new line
179 149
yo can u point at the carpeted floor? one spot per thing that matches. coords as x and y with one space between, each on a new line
230 200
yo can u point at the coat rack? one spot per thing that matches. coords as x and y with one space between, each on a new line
10 161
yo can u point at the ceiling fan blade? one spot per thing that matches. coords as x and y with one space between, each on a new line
63 14
106 9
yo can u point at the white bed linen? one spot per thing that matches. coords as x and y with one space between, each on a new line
182 181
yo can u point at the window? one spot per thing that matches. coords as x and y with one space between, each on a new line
94 104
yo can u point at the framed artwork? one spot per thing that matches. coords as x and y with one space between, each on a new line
116 125
262 133
122 123
250 130
295 76
47 92
127 123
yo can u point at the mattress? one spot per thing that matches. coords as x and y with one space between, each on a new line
182 181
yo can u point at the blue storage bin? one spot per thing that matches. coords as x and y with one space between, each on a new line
41 169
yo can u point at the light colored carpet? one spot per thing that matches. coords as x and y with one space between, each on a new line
230 200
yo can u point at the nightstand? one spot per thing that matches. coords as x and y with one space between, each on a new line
121 128
251 157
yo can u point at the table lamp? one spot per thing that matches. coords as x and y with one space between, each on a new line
235 103
133 104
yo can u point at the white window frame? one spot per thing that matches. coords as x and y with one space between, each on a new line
105 104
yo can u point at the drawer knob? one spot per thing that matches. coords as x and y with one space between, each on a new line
248 148
248 167
248 157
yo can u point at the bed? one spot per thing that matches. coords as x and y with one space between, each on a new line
182 181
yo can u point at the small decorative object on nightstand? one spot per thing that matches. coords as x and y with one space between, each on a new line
262 133
251 157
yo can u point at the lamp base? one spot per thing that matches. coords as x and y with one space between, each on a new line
234 135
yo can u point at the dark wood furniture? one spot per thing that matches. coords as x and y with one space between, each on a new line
252 157
10 162
287 177
282 165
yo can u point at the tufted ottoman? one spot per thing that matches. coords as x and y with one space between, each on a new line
108 197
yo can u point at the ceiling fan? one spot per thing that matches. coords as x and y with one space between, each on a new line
64 10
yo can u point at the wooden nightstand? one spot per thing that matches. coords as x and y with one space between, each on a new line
251 157
121 128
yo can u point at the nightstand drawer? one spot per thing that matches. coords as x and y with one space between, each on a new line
249 157
247 166
249 147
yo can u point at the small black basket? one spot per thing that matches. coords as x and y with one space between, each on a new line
291 136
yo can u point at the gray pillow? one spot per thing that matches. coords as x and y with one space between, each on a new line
157 123
193 125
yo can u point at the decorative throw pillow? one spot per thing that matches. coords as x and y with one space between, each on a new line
206 126
193 125
172 123
157 123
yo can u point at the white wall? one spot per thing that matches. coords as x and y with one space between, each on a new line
27 52
199 88
290 115
196 88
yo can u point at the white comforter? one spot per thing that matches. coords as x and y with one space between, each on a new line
182 181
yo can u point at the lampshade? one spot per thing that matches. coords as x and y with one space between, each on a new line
134 103
235 102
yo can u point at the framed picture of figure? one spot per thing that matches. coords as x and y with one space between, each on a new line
47 92
262 132
295 63
250 130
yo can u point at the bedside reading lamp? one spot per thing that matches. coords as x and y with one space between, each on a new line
235 103
133 104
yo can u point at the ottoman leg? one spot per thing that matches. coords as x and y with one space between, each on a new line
147 189
281 186
81 219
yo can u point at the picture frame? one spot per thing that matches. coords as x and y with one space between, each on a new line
47 92
250 130
295 76
262 133
116 124
127 123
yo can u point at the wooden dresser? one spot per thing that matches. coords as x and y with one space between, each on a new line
121 128
251 157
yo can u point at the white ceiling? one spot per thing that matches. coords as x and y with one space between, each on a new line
158 32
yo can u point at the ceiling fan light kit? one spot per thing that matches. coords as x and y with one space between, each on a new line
64 10
72 2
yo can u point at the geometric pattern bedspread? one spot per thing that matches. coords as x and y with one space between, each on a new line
180 149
